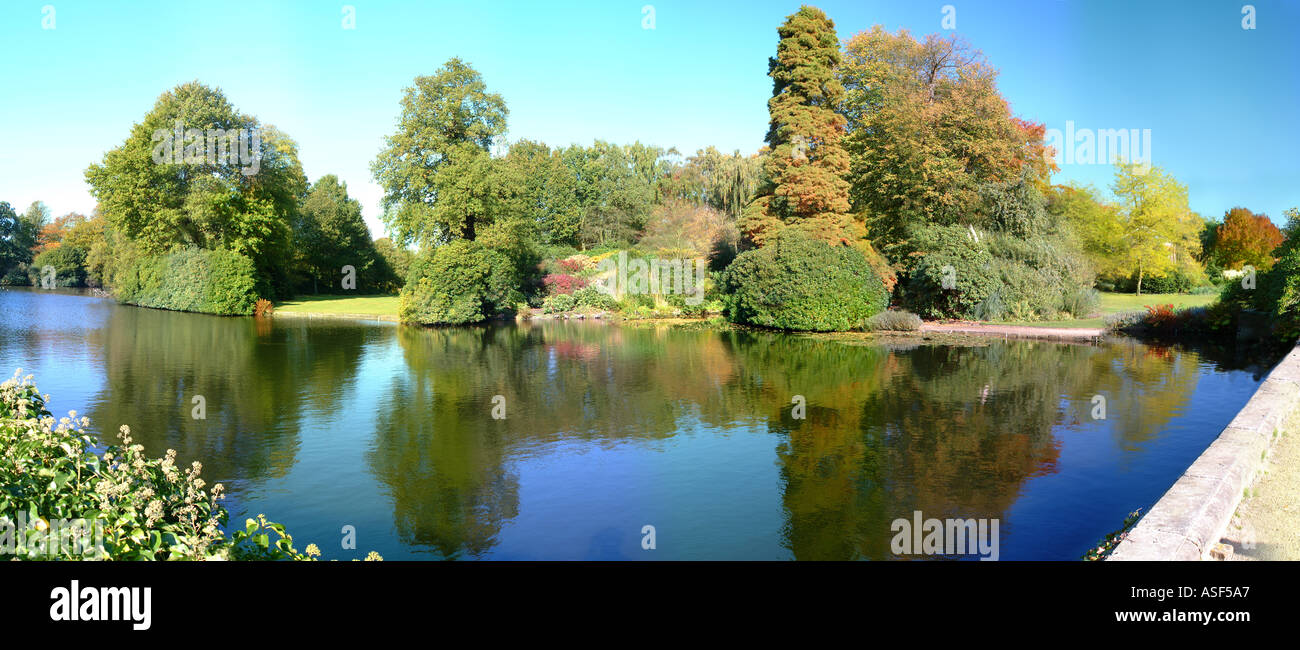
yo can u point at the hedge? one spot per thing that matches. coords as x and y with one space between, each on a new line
190 279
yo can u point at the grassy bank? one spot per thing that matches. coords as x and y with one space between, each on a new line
1114 303
339 305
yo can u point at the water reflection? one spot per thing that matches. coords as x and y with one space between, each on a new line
390 429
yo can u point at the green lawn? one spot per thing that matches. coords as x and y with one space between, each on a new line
1113 303
366 305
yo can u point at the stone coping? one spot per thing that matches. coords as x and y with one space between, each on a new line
1193 515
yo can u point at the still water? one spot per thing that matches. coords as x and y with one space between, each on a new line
607 429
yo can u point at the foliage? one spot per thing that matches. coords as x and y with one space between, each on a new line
1093 221
435 169
517 240
1278 291
328 234
68 263
457 283
796 282
699 232
1107 545
1156 228
558 303
927 129
17 237
542 189
52 233
560 283
806 164
1245 238
241 203
893 321
617 186
955 275
715 180
149 508
190 279
397 259
594 298
263 308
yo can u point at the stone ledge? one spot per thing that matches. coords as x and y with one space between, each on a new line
1192 516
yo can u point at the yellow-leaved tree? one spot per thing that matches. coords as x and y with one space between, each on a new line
1157 228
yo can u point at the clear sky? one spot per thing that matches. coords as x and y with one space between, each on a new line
1220 101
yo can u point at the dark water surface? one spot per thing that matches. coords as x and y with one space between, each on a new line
608 429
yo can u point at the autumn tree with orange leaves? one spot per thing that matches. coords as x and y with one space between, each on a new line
805 163
1245 237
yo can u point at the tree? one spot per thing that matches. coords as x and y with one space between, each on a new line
1245 238
710 178
398 259
52 234
616 186
927 129
805 165
542 189
330 233
227 182
1157 228
36 219
1094 222
436 170
14 238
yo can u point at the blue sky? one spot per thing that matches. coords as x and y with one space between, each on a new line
1220 100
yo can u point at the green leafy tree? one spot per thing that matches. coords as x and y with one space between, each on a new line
541 189
330 233
16 240
229 183
436 170
806 164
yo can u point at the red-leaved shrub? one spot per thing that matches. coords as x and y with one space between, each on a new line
557 283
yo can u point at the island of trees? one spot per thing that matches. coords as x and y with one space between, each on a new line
895 178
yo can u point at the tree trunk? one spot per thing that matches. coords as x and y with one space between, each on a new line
1140 273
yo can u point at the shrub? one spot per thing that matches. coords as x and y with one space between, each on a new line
208 281
69 266
146 508
593 298
15 276
1081 302
1125 321
951 254
263 308
558 303
557 283
461 282
575 263
799 283
995 275
893 321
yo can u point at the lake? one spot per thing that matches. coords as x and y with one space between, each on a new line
606 429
